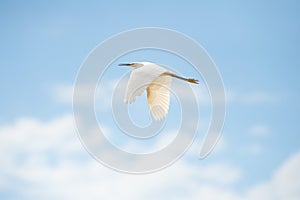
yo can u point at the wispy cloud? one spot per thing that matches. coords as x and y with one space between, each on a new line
63 93
255 148
254 97
259 130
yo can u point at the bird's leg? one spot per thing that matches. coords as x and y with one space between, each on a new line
190 80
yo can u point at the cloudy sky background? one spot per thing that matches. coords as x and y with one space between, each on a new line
255 46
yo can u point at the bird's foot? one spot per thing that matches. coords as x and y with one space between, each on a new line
191 80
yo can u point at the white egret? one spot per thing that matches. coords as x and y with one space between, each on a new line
156 80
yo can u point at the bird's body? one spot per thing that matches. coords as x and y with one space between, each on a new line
156 80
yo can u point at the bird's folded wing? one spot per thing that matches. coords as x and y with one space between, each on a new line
158 96
140 79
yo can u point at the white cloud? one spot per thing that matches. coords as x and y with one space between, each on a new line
284 184
287 178
49 156
49 160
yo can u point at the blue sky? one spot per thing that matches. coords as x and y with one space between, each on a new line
255 46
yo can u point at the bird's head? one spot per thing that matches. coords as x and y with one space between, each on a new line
133 64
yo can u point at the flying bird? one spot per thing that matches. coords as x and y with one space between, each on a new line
156 80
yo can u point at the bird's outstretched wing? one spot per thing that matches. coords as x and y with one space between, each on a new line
140 78
158 96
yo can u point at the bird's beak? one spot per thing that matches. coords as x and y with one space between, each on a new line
125 64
